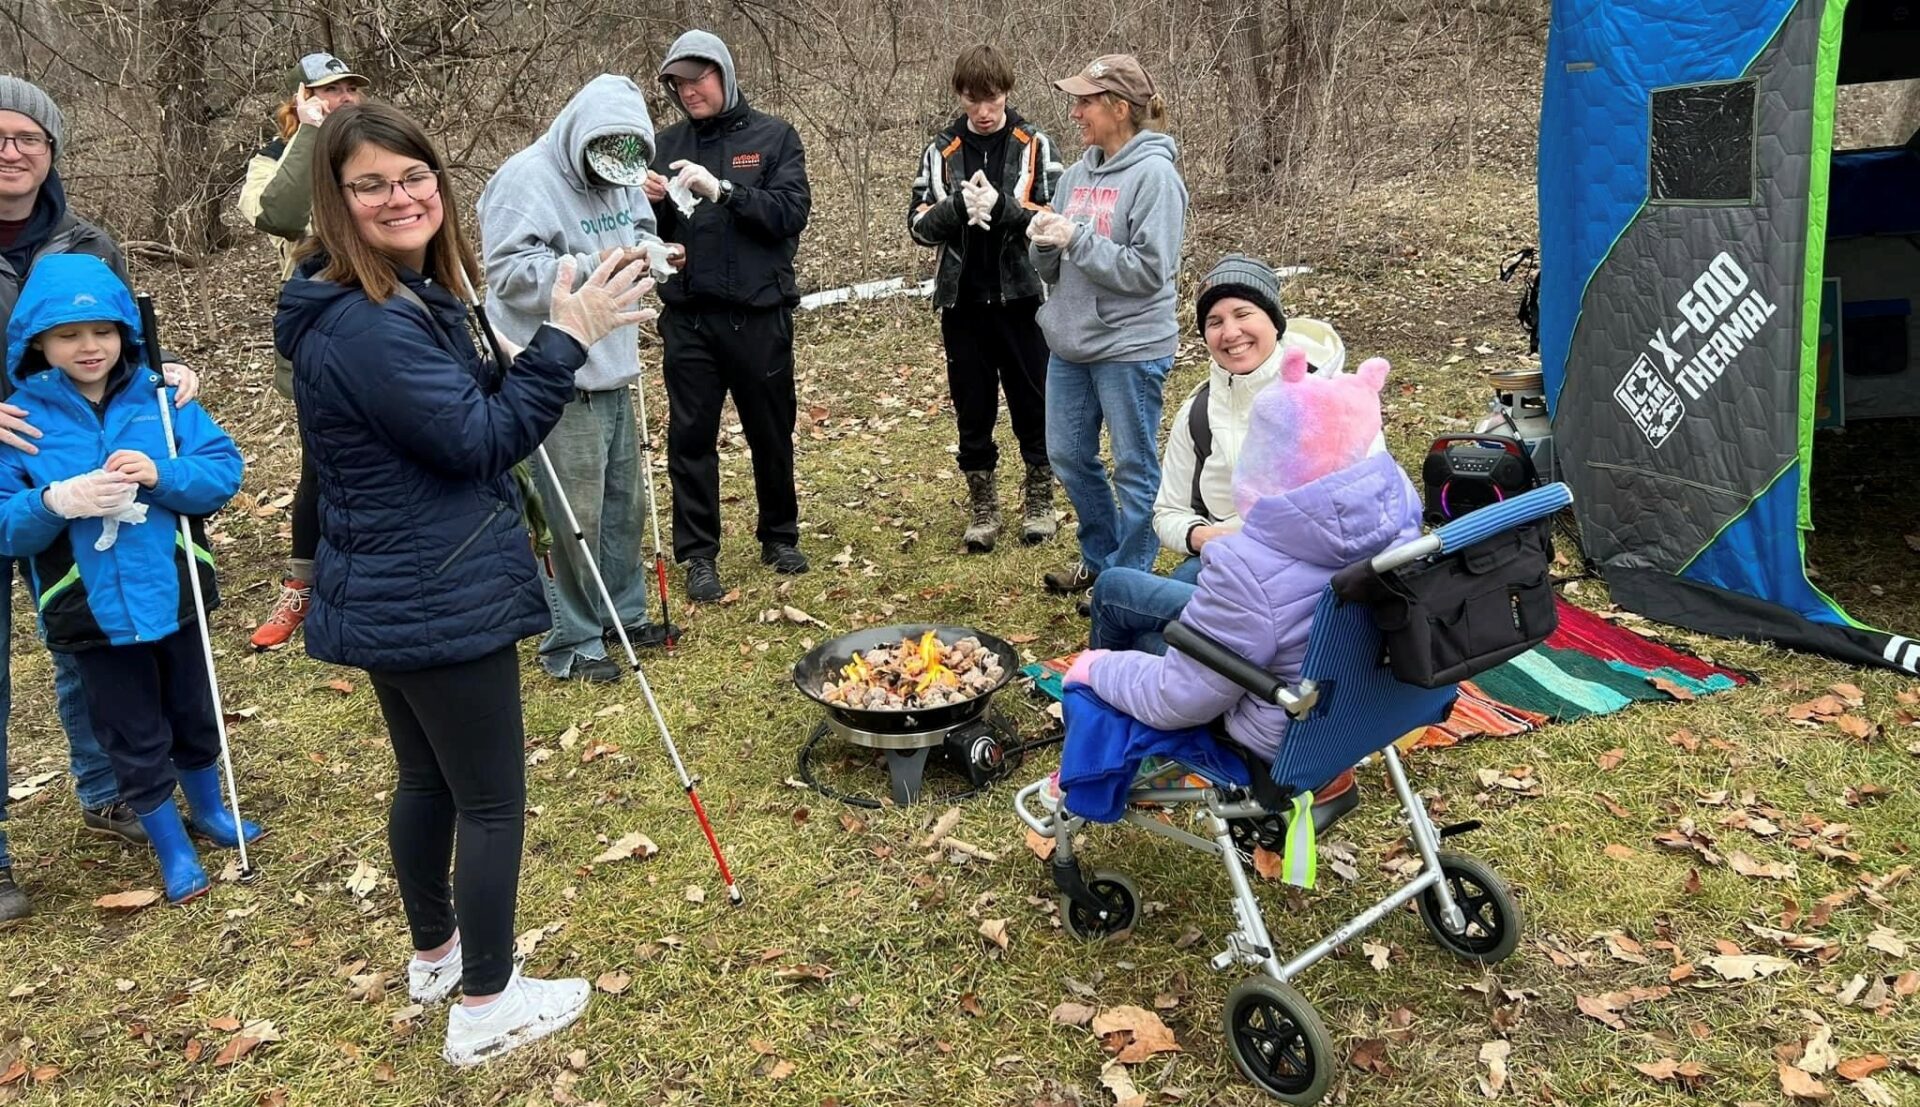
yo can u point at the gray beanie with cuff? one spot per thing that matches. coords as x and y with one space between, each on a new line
33 102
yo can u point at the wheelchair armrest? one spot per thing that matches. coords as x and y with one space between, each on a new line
1209 652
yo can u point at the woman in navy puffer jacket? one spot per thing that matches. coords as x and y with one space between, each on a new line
424 575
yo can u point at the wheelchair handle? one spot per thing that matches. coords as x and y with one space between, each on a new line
1209 652
1479 526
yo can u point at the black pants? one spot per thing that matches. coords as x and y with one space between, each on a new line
457 737
708 355
991 347
152 711
306 514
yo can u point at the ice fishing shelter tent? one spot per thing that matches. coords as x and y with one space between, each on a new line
1687 180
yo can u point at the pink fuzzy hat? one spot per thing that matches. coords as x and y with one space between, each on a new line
1306 426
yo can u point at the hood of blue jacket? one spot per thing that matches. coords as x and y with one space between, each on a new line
63 289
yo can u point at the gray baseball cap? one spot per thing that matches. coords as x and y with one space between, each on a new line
320 69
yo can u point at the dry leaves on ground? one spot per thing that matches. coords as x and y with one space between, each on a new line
634 844
1133 1034
128 901
1494 1056
1605 1009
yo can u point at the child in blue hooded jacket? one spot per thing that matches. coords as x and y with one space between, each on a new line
94 515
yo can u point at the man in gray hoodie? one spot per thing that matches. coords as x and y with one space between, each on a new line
576 193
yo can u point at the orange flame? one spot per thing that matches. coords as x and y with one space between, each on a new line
930 662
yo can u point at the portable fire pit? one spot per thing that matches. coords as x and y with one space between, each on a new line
909 690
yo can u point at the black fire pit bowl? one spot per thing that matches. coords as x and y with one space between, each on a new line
827 659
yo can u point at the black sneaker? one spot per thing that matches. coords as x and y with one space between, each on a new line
703 581
115 820
14 904
595 670
784 558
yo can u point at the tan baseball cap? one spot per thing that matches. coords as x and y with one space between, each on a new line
1120 74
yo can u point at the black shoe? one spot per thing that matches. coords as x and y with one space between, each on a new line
703 581
1084 607
595 670
14 904
646 634
115 820
784 558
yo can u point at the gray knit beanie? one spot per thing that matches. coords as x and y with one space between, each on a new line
1245 278
32 101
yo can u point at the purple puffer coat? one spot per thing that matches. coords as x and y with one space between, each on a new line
1257 591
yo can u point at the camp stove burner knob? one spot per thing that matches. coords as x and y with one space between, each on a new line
986 756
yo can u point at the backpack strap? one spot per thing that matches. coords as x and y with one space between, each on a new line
1201 430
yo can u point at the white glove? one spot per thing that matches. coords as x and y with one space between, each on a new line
697 179
981 198
682 196
605 302
659 259
90 495
311 109
1051 229
131 514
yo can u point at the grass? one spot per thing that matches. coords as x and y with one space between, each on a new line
916 1007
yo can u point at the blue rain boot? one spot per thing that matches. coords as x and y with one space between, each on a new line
180 867
208 815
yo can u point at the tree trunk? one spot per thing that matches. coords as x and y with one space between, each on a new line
1248 71
1309 47
187 200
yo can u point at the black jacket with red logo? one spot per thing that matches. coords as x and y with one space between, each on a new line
740 253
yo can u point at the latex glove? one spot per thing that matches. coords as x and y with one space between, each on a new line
132 514
683 197
1081 671
184 382
311 109
662 258
697 179
1051 230
91 495
605 302
982 197
979 212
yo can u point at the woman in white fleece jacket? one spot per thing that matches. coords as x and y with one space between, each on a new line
1239 313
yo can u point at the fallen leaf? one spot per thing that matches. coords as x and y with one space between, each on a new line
1133 1034
628 845
364 880
852 824
995 931
344 687
781 1070
1856 727
1377 955
1370 1055
1619 852
526 943
1115 1078
802 974
1801 1086
1770 870
1875 1093
1624 948
1072 1014
970 1006
1267 863
1819 1056
1859 1068
695 894
1611 759
1606 1008
128 901
1672 688
614 982
1669 1069
1041 845
1494 1055
1887 942
1747 966
226 1024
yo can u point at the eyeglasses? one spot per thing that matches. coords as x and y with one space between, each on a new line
28 145
674 83
374 192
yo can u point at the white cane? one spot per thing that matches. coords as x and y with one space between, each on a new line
148 326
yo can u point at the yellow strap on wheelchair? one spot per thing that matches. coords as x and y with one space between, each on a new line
1300 863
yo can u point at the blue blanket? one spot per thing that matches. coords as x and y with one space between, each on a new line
1104 750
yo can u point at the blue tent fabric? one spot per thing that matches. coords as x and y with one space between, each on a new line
1759 555
1604 59
1874 192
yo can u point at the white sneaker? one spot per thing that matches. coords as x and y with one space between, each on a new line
527 1011
433 981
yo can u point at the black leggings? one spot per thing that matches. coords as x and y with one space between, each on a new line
306 514
457 738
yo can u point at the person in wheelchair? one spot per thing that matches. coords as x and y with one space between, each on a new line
1317 492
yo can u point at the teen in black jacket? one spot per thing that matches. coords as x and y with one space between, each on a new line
728 324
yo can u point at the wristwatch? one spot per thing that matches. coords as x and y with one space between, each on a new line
726 192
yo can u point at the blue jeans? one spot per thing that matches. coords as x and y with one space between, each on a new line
596 452
92 772
1116 521
1131 609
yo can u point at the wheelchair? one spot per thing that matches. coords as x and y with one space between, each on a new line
1348 708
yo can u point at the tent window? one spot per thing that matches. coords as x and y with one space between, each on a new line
1702 147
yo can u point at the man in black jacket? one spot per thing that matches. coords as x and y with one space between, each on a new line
728 323
980 181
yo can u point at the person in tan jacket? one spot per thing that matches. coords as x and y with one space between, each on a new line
277 199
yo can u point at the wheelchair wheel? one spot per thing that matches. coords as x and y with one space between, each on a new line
1122 898
1493 918
1278 1041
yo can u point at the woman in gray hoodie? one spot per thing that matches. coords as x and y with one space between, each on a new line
1109 257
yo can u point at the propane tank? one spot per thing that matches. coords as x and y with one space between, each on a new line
1519 409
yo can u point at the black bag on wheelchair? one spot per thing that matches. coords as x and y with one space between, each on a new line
1448 618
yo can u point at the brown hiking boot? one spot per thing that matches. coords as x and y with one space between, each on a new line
1077 577
296 596
983 527
1036 514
